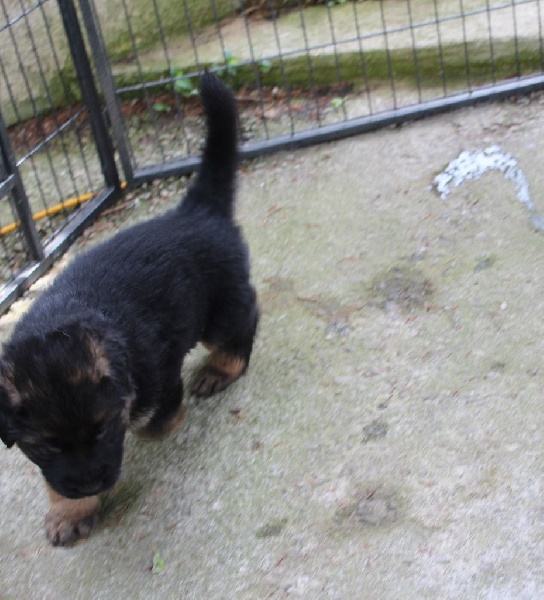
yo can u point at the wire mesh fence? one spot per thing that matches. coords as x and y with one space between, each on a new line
303 71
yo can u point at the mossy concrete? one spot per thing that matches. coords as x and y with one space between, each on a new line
175 18
319 45
387 439
346 41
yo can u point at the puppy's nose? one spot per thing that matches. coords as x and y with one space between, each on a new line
88 489
91 483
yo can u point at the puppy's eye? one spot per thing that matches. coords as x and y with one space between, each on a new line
41 448
54 445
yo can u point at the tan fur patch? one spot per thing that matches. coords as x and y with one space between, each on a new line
95 370
6 381
219 372
72 508
231 366
143 419
101 361
166 429
69 520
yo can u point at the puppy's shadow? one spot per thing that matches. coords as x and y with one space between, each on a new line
145 461
120 501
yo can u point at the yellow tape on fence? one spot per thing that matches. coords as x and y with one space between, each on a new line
54 210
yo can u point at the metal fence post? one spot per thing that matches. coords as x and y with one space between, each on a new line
90 94
11 183
107 83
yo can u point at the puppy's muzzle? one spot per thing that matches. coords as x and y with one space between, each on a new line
88 484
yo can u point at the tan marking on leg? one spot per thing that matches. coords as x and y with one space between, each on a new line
69 520
142 420
231 366
166 428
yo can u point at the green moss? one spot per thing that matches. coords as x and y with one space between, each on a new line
64 87
379 65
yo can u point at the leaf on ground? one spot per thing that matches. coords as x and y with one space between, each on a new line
158 564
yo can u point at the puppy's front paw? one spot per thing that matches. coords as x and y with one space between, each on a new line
62 531
71 520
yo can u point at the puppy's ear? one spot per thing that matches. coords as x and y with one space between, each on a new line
8 432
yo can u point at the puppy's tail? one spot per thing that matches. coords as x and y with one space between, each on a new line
215 183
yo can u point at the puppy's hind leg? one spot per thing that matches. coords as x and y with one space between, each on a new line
229 357
70 520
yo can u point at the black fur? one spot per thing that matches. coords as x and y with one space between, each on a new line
104 344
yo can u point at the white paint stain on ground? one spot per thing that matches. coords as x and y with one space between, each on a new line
472 165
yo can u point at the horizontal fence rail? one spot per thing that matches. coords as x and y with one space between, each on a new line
94 87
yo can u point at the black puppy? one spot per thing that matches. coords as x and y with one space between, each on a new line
102 348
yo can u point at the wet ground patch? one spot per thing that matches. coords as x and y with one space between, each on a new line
485 262
271 529
277 293
374 506
402 287
375 430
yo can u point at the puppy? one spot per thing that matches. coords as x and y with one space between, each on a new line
101 350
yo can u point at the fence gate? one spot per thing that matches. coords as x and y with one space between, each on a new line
304 71
57 167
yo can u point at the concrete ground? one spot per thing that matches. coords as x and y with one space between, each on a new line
387 440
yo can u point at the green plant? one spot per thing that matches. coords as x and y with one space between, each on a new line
337 102
264 65
182 85
230 61
162 108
